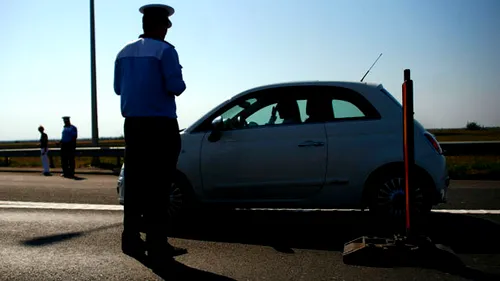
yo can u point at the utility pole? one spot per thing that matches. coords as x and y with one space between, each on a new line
95 131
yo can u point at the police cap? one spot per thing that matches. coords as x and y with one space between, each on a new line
157 10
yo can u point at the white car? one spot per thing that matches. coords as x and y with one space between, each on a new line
331 145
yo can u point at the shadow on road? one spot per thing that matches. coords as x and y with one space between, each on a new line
57 238
172 271
330 230
177 271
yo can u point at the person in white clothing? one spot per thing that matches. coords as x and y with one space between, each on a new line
44 147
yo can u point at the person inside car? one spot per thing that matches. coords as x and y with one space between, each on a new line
288 111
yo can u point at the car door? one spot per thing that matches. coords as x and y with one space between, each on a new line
262 161
353 137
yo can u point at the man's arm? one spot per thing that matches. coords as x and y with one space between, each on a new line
75 133
172 72
45 142
117 74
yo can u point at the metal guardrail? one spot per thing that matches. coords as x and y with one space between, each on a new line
450 149
117 152
470 148
80 152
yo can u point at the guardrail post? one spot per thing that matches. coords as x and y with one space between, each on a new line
6 161
118 161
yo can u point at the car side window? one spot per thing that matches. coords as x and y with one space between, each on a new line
261 117
285 111
345 109
298 104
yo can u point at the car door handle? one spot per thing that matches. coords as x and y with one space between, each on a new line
311 143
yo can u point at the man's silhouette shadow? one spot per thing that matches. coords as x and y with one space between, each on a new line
174 270
178 271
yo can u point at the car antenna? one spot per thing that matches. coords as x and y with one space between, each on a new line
370 68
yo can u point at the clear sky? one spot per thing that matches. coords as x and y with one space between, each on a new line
451 46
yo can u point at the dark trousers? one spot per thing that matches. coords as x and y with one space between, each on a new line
152 147
68 158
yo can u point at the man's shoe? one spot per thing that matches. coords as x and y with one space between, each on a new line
134 248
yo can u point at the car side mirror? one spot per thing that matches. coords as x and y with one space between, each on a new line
218 124
217 127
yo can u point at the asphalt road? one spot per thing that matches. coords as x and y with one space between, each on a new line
40 244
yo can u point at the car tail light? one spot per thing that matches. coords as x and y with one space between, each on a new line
434 142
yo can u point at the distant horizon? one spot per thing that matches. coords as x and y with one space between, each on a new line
121 137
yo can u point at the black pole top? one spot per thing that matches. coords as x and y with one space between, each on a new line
406 75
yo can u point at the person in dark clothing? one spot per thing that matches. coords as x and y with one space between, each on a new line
44 147
148 78
68 148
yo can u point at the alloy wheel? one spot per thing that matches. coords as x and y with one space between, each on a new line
391 198
176 200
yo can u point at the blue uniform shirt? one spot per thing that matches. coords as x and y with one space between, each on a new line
69 133
148 77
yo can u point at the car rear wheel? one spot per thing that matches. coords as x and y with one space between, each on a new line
388 196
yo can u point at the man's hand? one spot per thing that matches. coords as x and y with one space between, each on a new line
273 117
273 113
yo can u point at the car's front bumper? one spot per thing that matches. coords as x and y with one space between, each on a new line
441 194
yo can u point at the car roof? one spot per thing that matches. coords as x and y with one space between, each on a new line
345 84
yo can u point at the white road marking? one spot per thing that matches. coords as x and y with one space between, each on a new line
58 206
449 211
104 207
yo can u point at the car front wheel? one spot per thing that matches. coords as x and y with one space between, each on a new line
178 201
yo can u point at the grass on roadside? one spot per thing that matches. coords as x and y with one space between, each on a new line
485 167
52 144
449 135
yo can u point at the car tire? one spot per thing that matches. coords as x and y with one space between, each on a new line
387 198
182 200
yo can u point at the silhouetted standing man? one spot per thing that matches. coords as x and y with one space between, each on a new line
148 77
44 150
68 148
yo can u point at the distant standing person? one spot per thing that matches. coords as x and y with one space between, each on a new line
148 78
44 147
68 147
